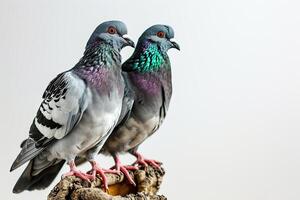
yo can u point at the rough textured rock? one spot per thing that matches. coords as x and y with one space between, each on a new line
147 181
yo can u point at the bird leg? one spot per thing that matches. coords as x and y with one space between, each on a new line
141 160
119 167
96 169
74 171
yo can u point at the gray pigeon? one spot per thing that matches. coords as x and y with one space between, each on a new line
149 85
79 110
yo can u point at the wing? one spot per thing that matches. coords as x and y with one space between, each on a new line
64 102
127 103
166 91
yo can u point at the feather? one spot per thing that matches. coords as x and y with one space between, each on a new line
63 105
29 182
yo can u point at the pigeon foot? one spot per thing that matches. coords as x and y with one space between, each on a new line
76 172
119 167
141 160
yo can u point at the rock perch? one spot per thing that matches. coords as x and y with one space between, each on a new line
148 181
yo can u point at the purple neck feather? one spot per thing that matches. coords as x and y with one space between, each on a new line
149 83
96 77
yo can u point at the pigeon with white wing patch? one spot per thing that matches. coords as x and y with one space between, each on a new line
79 110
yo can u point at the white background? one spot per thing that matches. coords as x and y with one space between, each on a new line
233 127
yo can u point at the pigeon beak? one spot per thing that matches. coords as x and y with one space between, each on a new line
175 45
128 42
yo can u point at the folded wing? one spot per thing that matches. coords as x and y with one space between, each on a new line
64 102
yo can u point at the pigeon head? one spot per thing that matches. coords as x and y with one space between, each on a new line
112 33
161 35
151 51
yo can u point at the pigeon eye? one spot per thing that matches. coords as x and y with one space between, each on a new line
111 30
160 34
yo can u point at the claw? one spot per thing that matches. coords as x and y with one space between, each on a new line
124 169
141 160
96 169
75 172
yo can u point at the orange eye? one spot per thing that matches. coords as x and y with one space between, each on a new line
160 34
111 30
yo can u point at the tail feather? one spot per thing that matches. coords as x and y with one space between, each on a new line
28 152
43 179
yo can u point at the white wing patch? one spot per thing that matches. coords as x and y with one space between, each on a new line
62 107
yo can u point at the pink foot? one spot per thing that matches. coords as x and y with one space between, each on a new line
75 172
141 160
124 169
96 169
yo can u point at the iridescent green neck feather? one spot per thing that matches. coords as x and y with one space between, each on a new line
146 59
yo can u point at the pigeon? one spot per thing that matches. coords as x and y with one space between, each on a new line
147 75
80 108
